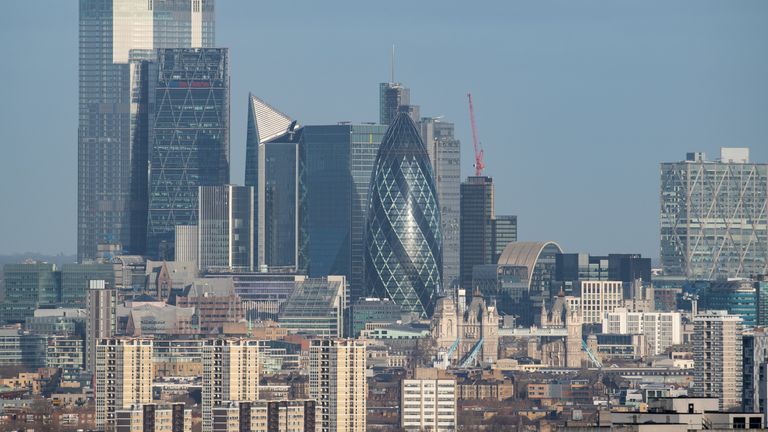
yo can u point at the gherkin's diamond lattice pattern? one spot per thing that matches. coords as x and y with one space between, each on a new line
403 239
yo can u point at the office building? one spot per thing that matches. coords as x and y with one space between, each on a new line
295 415
713 216
335 166
428 404
570 268
483 235
392 96
717 356
27 287
152 417
761 285
599 298
316 307
738 297
403 242
109 31
123 377
231 372
186 243
215 302
337 382
661 329
226 228
76 279
58 321
19 348
101 322
374 311
66 353
190 139
130 273
444 152
272 167
261 294
521 278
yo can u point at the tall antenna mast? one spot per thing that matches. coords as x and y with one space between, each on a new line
392 64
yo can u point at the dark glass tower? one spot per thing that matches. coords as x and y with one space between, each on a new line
110 32
190 145
403 241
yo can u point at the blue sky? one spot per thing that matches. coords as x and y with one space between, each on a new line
576 102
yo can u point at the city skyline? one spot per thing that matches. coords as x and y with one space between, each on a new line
658 88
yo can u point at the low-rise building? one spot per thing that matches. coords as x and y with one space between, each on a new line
265 416
154 418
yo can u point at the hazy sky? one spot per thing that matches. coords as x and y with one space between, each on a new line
576 102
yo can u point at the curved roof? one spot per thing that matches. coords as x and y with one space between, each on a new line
525 254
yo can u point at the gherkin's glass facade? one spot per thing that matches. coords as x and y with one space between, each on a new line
403 243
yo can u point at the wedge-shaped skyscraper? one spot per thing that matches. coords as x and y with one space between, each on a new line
403 243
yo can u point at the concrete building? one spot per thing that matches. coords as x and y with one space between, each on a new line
101 323
661 329
123 377
66 353
717 355
599 298
295 415
231 372
154 418
713 216
428 404
338 383
215 302
683 414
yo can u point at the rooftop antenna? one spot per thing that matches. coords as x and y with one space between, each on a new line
392 64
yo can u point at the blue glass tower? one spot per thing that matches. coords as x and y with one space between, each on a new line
403 241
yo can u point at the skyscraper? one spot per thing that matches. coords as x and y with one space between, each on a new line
190 144
271 167
337 382
123 378
392 96
403 241
714 216
26 287
226 228
717 358
483 235
231 371
445 154
335 165
109 30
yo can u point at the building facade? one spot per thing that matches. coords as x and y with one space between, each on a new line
123 377
599 298
316 307
190 139
445 155
483 235
101 321
109 30
26 287
231 372
392 96
715 206
295 415
335 166
337 382
403 240
661 329
154 418
717 356
226 228
428 404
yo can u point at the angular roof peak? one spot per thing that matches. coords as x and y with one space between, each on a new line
270 122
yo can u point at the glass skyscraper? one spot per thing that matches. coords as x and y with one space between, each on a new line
403 241
445 154
271 167
335 165
714 216
109 31
190 144
225 228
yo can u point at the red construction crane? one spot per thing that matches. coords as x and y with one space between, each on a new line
479 164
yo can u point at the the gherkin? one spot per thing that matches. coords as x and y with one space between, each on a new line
403 242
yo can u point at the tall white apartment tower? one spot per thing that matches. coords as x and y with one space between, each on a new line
717 356
123 377
231 373
337 382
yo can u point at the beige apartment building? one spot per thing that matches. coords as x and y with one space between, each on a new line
337 382
123 377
